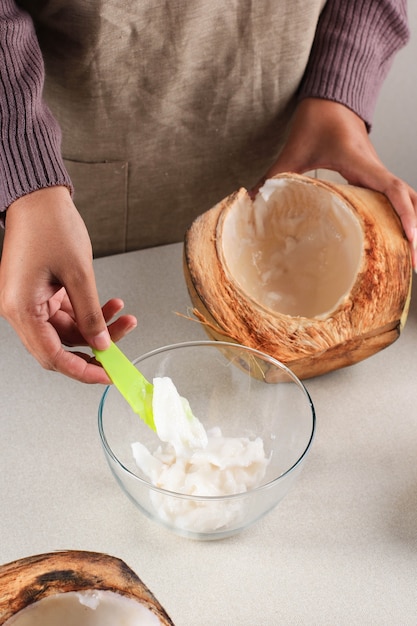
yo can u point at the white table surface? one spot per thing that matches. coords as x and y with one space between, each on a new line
340 549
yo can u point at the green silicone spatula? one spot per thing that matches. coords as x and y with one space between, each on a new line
133 386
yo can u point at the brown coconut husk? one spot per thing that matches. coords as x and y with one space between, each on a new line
31 579
368 319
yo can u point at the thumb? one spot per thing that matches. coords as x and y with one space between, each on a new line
290 159
87 311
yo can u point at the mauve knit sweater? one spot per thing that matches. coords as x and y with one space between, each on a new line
353 49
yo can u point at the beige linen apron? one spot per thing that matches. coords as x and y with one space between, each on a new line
166 106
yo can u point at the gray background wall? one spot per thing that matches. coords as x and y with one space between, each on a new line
394 132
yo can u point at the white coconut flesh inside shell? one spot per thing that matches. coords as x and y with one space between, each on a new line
296 249
85 608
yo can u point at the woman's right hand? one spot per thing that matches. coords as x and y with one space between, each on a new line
326 134
48 291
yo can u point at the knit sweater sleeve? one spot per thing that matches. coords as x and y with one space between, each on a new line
30 149
353 49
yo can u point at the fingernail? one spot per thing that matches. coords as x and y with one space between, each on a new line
102 340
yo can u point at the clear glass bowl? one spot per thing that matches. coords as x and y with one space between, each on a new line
244 392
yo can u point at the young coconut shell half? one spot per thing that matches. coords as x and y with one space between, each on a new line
76 588
315 274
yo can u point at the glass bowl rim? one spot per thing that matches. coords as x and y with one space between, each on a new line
211 343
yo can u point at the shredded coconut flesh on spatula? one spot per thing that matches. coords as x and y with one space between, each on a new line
195 462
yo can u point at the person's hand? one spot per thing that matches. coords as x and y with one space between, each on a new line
47 286
325 134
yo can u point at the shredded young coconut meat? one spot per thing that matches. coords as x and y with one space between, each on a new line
194 462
